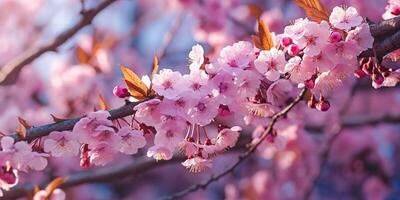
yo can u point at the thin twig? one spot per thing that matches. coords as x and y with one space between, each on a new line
243 156
9 72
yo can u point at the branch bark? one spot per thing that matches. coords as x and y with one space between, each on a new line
9 72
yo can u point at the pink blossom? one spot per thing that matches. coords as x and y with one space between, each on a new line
345 19
168 83
57 194
227 138
196 83
314 38
197 164
148 112
248 83
188 148
299 72
61 144
278 92
196 57
203 111
375 189
238 55
322 61
362 36
102 154
271 63
131 140
296 31
159 153
343 52
222 88
170 133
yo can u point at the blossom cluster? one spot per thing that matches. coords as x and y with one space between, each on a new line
243 82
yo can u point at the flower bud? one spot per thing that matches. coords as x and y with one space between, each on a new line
286 41
121 92
293 50
311 103
359 73
395 10
335 37
323 105
377 78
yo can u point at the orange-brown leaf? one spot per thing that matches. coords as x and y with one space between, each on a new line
264 35
23 122
155 66
314 9
21 131
103 103
57 119
256 41
135 91
54 185
135 85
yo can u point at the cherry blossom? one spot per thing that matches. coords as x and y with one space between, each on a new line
345 19
61 144
271 63
57 194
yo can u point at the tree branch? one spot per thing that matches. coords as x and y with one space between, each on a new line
40 131
243 156
9 72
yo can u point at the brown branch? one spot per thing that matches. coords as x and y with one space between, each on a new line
385 27
40 131
9 72
243 156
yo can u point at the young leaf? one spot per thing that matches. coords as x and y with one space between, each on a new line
256 41
135 85
314 9
57 119
264 35
54 185
24 123
103 103
21 131
153 72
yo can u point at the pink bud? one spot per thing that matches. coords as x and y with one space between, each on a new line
293 50
286 41
120 91
359 73
270 138
377 78
395 10
335 37
223 111
310 83
323 105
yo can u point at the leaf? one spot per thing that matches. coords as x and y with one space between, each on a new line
24 123
155 66
135 85
153 72
103 103
54 185
256 41
21 131
314 9
36 189
2 133
57 119
264 35
82 56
